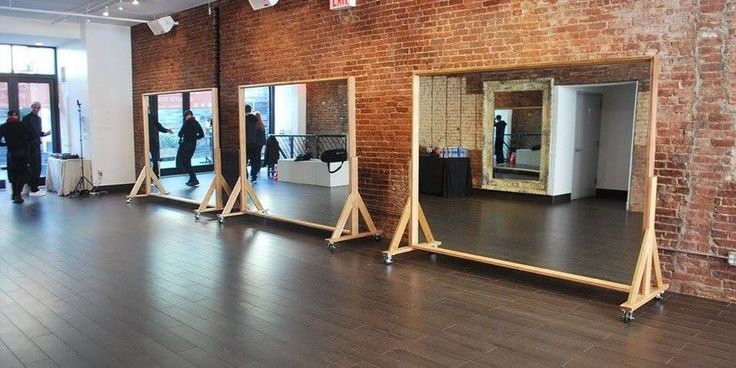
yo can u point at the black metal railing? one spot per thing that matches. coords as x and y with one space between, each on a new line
523 141
292 145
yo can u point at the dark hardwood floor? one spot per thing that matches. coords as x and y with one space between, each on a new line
97 283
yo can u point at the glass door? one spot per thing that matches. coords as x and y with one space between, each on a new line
30 92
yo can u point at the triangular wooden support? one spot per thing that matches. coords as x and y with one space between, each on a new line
647 282
217 187
242 192
146 177
394 248
353 209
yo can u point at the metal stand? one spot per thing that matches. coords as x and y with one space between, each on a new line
80 189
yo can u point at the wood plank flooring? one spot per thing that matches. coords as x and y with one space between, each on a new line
97 283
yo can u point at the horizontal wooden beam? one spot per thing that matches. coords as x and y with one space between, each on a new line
526 268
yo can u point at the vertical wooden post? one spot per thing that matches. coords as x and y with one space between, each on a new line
146 144
414 167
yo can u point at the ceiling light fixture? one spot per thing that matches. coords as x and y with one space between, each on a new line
106 13
135 2
120 5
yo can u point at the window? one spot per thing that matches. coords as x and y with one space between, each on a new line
259 98
20 59
6 61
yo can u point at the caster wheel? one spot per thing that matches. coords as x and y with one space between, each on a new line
628 316
331 247
196 215
388 259
128 200
220 220
377 237
659 296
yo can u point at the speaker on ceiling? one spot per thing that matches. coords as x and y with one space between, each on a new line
162 25
261 4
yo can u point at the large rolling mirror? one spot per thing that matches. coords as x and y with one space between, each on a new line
182 144
547 170
298 161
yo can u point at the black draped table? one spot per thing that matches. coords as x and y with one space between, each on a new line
445 176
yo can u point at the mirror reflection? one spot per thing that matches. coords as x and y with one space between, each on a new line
517 135
181 142
296 141
538 167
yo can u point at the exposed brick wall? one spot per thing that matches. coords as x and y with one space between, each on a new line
181 59
327 107
382 42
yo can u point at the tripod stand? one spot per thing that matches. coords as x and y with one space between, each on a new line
81 188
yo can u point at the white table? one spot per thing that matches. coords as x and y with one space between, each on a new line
313 172
62 176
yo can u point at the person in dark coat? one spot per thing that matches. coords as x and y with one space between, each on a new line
154 127
254 140
500 126
271 157
189 133
33 122
17 137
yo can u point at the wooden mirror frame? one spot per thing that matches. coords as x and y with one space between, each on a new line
147 178
647 282
354 207
516 185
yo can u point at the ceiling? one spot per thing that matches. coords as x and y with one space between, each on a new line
146 10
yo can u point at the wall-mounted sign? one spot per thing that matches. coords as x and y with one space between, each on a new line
342 4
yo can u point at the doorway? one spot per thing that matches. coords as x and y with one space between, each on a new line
18 93
585 158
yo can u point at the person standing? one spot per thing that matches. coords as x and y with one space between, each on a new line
17 137
253 148
500 126
33 123
154 127
189 133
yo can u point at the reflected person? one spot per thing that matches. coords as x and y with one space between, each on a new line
189 133
155 127
253 149
33 122
16 137
500 126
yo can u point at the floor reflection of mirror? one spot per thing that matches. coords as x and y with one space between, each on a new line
593 237
176 186
304 202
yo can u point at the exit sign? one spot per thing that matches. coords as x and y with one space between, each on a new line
342 4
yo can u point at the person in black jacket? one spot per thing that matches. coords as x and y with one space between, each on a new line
17 138
189 133
154 127
33 122
500 130
253 142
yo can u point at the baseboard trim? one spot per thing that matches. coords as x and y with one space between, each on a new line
612 194
562 198
117 188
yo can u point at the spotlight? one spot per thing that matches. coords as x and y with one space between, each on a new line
106 13
120 5
135 2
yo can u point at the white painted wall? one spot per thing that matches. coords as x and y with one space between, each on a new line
110 102
562 140
290 109
40 28
73 86
96 61
617 124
